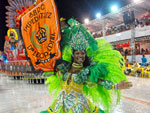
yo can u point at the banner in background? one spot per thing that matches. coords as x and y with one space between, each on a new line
41 34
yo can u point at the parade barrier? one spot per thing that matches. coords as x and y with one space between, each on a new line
15 68
34 77
22 70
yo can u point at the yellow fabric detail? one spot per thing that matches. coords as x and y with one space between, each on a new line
62 19
49 111
96 110
129 66
113 86
59 78
72 86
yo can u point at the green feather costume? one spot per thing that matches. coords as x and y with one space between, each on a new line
105 63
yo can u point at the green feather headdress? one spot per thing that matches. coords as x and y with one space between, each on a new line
76 37
78 41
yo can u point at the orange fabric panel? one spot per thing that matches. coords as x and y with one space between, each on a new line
41 34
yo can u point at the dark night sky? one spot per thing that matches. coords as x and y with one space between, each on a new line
79 9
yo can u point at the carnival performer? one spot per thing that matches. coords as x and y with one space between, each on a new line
91 72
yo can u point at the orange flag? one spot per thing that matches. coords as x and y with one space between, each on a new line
41 34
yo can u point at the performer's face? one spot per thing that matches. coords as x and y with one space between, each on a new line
79 56
12 36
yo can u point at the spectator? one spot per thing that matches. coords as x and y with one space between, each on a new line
142 51
122 52
126 52
144 60
146 51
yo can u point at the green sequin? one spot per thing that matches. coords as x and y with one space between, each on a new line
79 78
107 84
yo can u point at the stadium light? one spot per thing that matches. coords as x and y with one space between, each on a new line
114 8
98 15
137 1
86 21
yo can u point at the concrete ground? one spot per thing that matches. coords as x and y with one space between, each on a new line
16 96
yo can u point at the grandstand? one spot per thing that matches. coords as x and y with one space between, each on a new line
128 30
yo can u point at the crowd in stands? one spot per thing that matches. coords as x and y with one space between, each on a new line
144 21
141 51
138 23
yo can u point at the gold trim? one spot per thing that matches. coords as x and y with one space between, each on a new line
96 110
77 65
49 111
72 86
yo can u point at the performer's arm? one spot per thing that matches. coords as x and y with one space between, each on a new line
110 85
106 83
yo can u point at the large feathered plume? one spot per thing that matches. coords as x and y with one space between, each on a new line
15 9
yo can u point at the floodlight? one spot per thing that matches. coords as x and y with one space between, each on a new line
114 8
137 1
98 15
86 20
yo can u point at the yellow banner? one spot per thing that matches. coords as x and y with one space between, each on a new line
41 34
